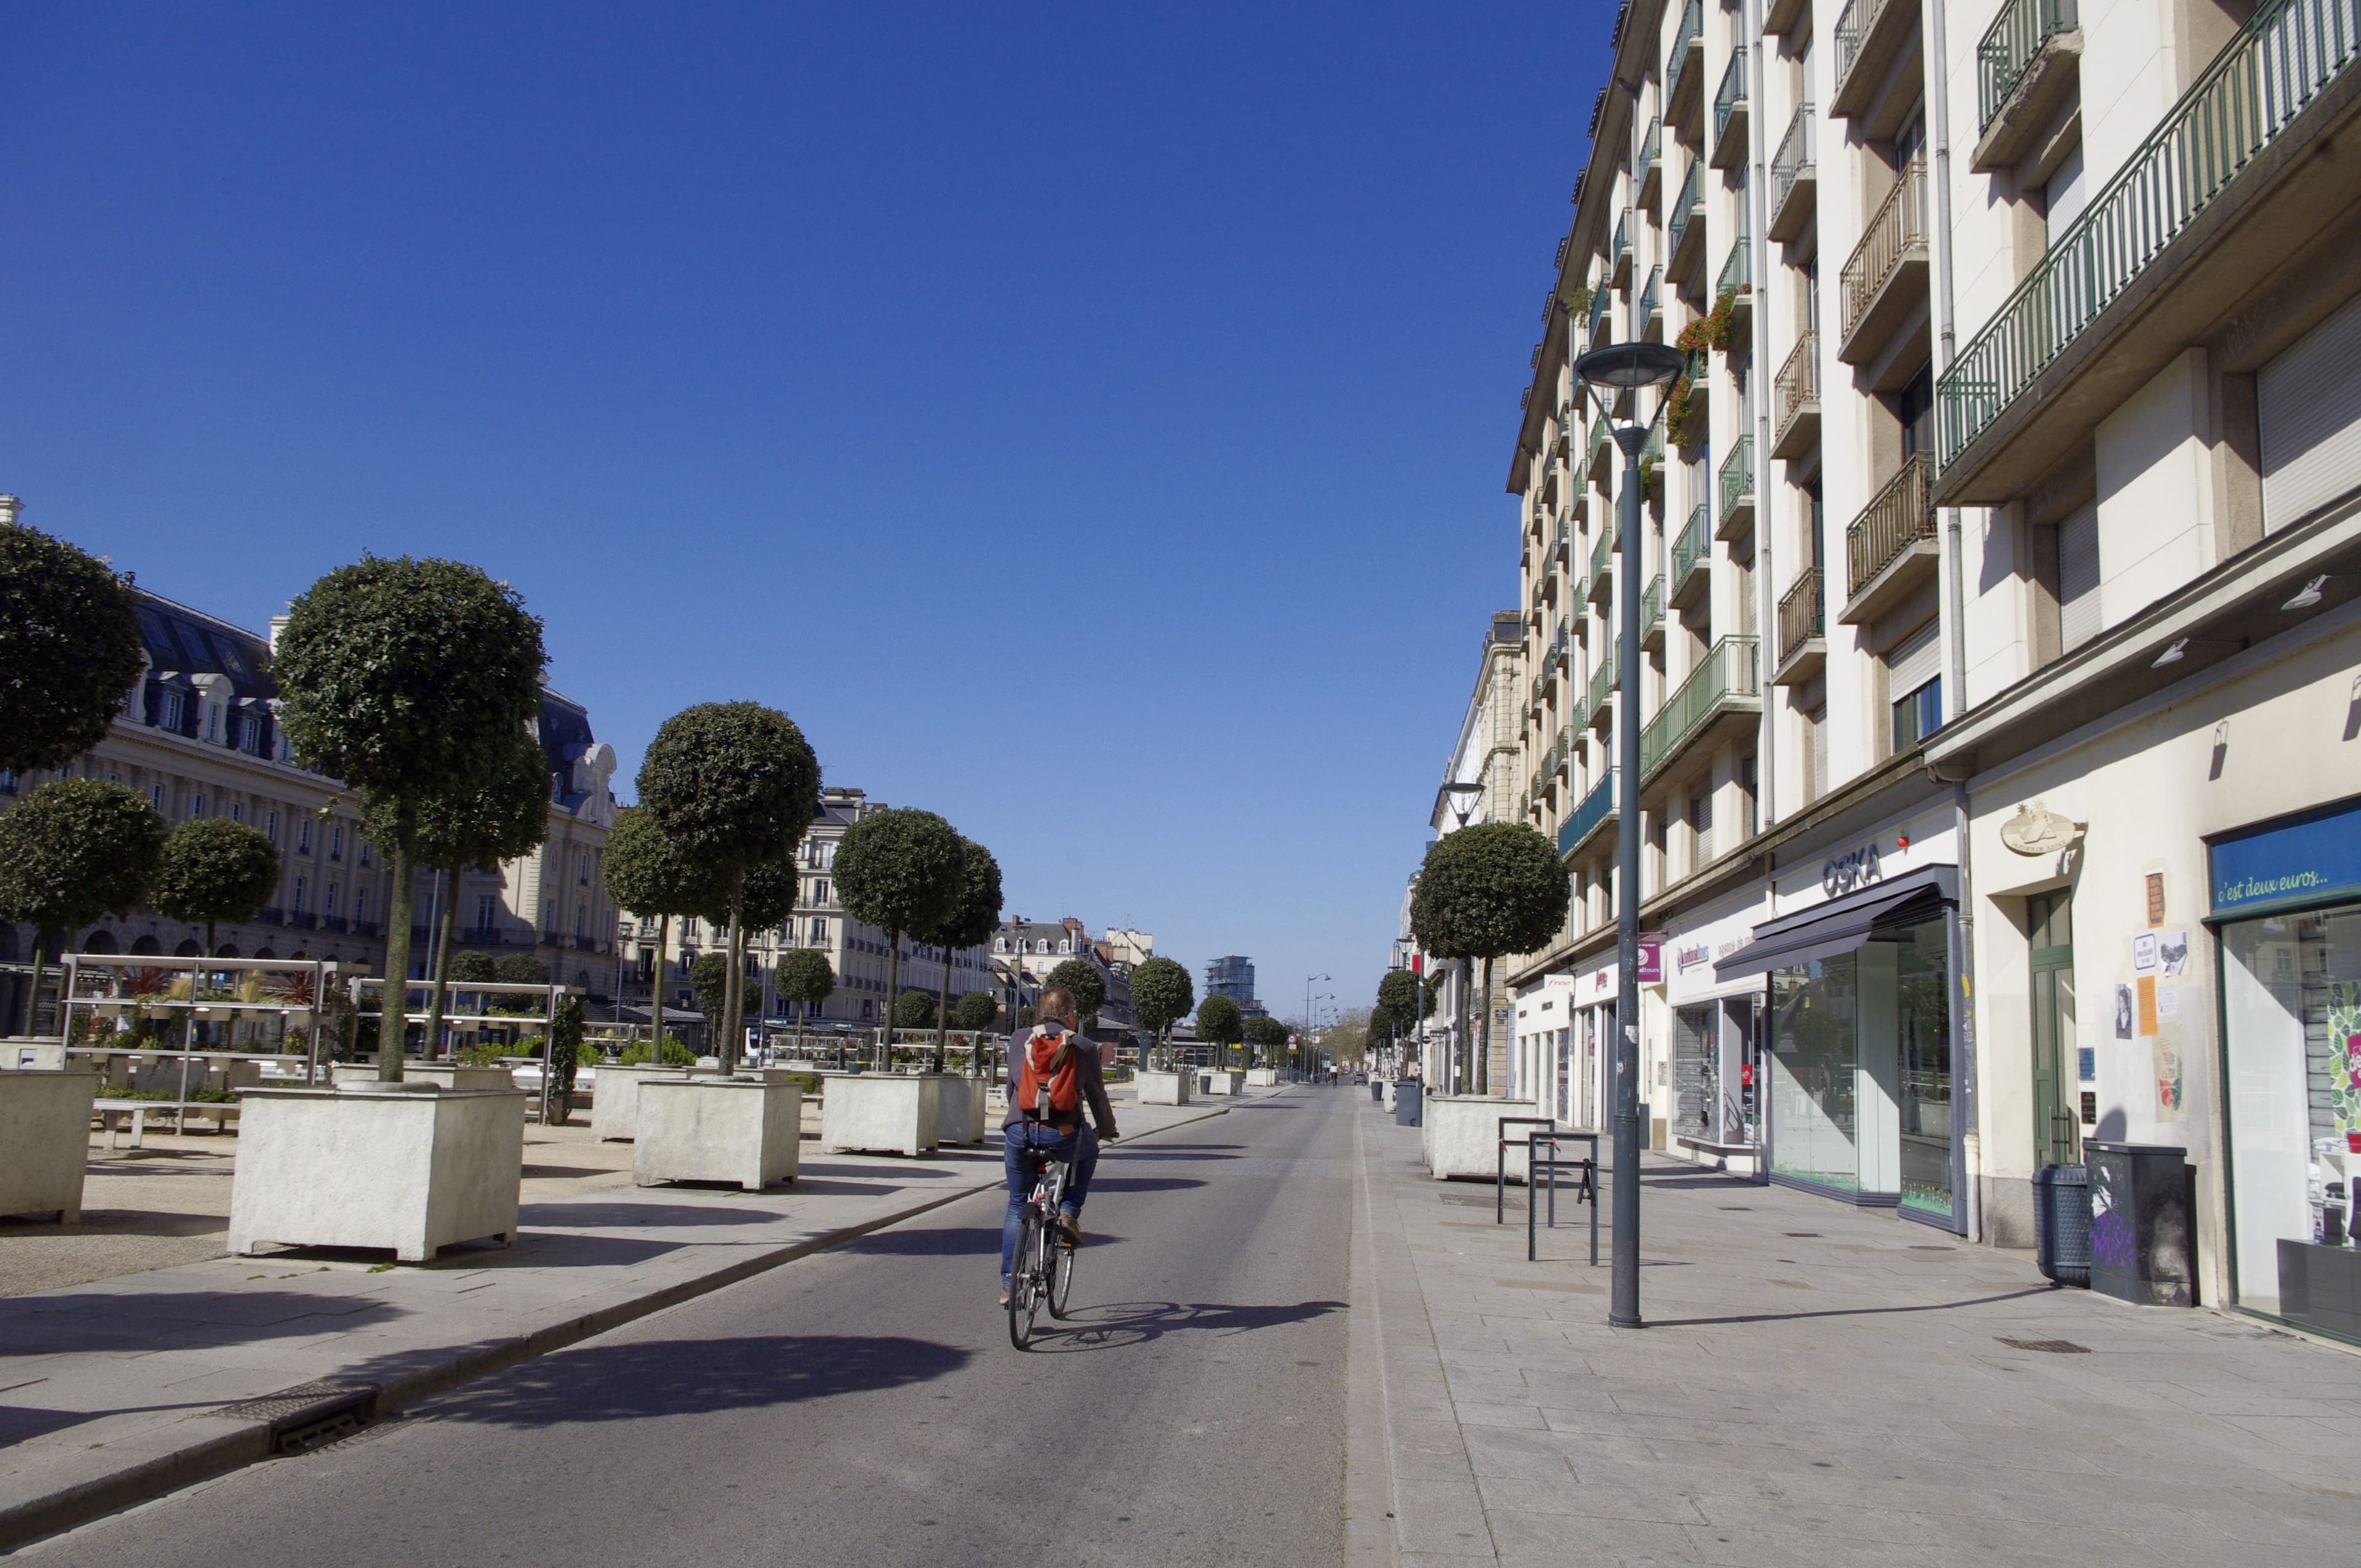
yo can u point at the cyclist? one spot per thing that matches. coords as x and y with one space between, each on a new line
1051 1062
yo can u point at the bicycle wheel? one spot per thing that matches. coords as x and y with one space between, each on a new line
1061 1276
1024 1284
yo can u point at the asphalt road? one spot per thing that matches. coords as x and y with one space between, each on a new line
864 1408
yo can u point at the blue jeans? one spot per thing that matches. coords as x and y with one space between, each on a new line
1027 1145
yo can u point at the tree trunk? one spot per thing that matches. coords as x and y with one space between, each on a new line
33 992
393 1000
893 994
1484 1053
656 993
943 1015
733 994
449 917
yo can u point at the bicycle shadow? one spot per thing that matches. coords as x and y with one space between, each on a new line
1118 1324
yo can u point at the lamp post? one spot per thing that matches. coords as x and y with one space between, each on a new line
1310 1023
1618 369
1453 1081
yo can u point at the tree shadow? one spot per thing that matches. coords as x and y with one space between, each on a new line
122 1222
675 1378
1144 1183
1161 1151
955 1241
583 1215
59 1323
1849 1311
1122 1323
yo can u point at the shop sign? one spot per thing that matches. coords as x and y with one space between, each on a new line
1847 871
2311 859
1652 958
1689 958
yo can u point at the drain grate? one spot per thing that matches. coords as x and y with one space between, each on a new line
1737 1208
1808 1236
2051 1346
310 1414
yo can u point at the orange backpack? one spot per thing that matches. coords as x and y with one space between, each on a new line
1048 1087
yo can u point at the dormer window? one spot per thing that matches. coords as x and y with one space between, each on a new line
168 711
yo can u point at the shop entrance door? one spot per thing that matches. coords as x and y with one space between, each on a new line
2057 1122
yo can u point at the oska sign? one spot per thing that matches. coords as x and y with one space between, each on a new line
1847 871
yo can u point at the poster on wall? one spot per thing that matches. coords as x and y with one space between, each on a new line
2123 1012
2146 1004
2143 947
2344 1073
2174 948
2168 1078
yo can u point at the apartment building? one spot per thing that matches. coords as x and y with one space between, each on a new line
1036 948
1997 583
857 953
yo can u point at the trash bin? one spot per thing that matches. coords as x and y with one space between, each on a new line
2062 1223
2143 1243
1406 1103
1376 1091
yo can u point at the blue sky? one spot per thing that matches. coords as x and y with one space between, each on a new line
1087 421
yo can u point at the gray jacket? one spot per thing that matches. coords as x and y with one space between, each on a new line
1093 1083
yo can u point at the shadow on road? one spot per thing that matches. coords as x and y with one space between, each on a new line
1144 1183
581 1215
1121 1324
142 1320
952 1241
1848 1311
679 1377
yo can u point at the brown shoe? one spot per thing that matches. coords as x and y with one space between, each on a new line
1070 1227
1003 1298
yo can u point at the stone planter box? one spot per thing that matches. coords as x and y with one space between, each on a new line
1463 1134
745 1129
1262 1077
39 1051
1164 1088
1230 1080
615 1109
962 1119
442 1075
881 1112
407 1168
45 1133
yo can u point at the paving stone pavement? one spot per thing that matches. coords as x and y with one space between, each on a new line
1817 1385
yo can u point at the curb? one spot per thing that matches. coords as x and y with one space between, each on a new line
247 1442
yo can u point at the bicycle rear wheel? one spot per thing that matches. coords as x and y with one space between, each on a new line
1061 1276
1024 1281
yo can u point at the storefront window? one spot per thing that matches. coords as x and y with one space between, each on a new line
1812 1073
2291 1006
1923 1016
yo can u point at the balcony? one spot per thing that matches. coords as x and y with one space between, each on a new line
1724 691
2027 64
333 924
1803 644
1684 225
1602 580
1651 166
1729 114
1780 17
1795 400
1886 278
2220 197
1602 325
1684 75
1618 260
1601 458
1597 810
1652 306
1604 683
1693 557
1736 490
1794 177
1651 614
1877 63
1890 548
1577 717
1735 281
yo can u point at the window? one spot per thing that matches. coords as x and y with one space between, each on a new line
488 911
2064 197
2079 617
1749 782
689 929
821 892
360 904
581 921
336 842
1915 684
213 721
238 811
303 836
155 798
329 908
363 846
7 781
270 825
197 805
168 711
1914 407
1918 715
296 905
820 933
1701 827
582 869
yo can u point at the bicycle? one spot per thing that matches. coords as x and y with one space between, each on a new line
1043 1273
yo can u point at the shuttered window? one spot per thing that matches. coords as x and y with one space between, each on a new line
2078 578
1915 660
2307 408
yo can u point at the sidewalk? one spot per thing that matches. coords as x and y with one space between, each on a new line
1817 1385
129 1386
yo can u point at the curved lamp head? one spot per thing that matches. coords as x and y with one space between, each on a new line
1625 366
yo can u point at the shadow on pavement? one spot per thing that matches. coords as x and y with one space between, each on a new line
1160 1151
1849 1312
121 1222
1144 1183
678 1378
953 1241
1122 1323
52 1324
602 1216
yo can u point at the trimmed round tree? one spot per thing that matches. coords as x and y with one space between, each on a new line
1083 978
215 870
649 874
1219 1023
975 1011
1267 1035
519 968
805 978
901 870
400 676
1486 891
766 899
71 851
734 785
914 1009
473 968
69 649
973 916
1162 993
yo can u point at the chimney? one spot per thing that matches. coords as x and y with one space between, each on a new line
278 625
9 506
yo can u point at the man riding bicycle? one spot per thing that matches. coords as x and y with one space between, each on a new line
1053 1072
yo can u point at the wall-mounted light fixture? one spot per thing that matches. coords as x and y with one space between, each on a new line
2310 596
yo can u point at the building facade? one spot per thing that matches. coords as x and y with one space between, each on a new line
1232 976
1997 590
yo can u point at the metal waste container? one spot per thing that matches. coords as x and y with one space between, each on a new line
2062 1223
1377 1090
1406 1103
2143 1241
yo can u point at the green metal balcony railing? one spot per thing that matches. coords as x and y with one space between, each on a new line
1653 451
1602 441
1901 514
1854 24
1585 820
1652 148
1730 671
1576 713
2278 65
1731 96
1652 606
1600 553
1692 29
1622 238
1692 548
1803 613
1685 206
1604 684
2012 44
1602 304
1794 157
1737 474
1557 543
1737 272
1652 305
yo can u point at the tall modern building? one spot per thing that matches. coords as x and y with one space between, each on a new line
1232 977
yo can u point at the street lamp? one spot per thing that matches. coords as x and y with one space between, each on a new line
1311 1023
1456 1077
1618 369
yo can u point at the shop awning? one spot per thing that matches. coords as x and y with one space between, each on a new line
1842 925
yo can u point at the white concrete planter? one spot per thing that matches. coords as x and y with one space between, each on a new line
1219 1081
37 1051
881 1112
442 1075
1463 1134
615 1109
44 1140
746 1130
961 1118
1164 1088
408 1168
1262 1077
